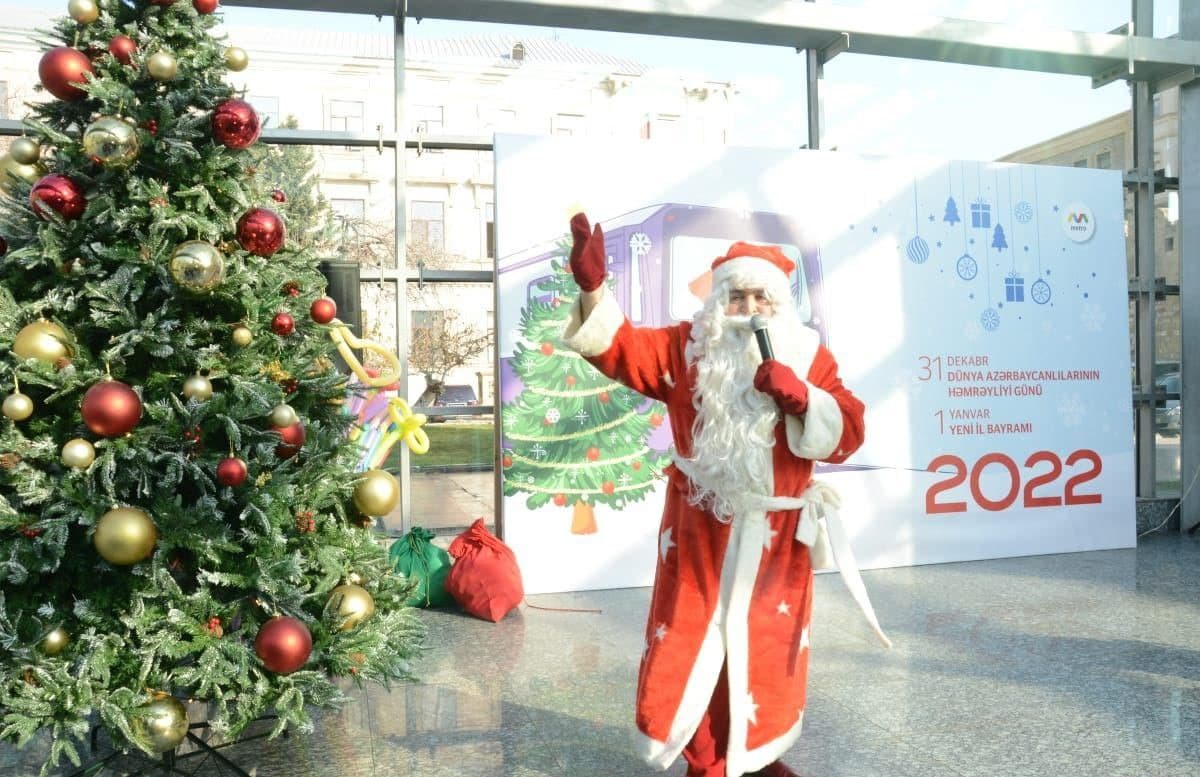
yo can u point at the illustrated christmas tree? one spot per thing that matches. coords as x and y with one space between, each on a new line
572 436
951 214
998 241
179 515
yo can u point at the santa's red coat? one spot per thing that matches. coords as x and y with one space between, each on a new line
740 592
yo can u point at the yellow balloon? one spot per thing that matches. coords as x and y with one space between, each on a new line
345 341
42 340
124 536
353 605
408 425
377 493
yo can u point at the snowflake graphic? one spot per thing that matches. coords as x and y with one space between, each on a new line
1071 410
639 244
1023 212
538 451
1092 318
582 417
552 415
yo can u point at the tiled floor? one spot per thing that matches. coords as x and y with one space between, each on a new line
1051 666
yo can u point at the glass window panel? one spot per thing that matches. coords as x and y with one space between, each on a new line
1085 15
268 110
329 71
451 352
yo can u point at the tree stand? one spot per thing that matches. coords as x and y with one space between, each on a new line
171 762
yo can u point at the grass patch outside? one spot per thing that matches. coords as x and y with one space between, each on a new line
458 444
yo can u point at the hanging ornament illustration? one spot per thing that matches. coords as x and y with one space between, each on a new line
966 266
1040 290
1023 212
990 319
981 216
917 249
1014 287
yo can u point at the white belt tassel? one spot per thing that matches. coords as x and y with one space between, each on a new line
821 529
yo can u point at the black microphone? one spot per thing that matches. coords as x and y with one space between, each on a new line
759 325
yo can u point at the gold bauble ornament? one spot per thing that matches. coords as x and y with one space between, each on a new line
124 536
197 387
236 59
78 453
12 171
42 340
25 151
162 724
377 493
198 266
355 578
282 415
54 641
242 336
111 142
162 66
352 605
83 11
18 406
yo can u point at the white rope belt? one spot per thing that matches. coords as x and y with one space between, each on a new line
821 529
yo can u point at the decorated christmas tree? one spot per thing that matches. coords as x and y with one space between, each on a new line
179 515
572 437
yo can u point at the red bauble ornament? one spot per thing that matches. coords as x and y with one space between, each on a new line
637 465
204 6
604 398
235 124
570 380
231 472
323 310
60 194
283 644
122 47
506 461
560 499
292 439
656 420
60 68
608 487
278 195
260 231
283 324
111 409
151 126
593 454
547 348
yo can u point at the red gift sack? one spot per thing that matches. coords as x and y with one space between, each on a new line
485 578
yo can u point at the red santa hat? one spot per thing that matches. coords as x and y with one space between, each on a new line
748 266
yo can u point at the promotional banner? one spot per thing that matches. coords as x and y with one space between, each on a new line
978 309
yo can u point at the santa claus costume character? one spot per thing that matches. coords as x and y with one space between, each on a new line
723 676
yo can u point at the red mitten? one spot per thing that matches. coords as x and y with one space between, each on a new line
485 579
780 382
589 263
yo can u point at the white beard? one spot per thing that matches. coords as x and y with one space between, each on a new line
734 430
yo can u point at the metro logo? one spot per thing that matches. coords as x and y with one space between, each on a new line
1079 224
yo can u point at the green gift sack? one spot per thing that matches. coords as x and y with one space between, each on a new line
414 555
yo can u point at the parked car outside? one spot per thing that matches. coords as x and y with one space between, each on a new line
1167 412
453 395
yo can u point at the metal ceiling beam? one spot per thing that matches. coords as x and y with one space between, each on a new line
821 27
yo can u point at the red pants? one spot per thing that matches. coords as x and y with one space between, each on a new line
705 754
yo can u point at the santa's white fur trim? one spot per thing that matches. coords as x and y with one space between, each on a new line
595 335
696 696
750 272
816 435
762 755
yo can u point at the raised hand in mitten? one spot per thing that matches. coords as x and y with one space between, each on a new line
779 381
589 263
